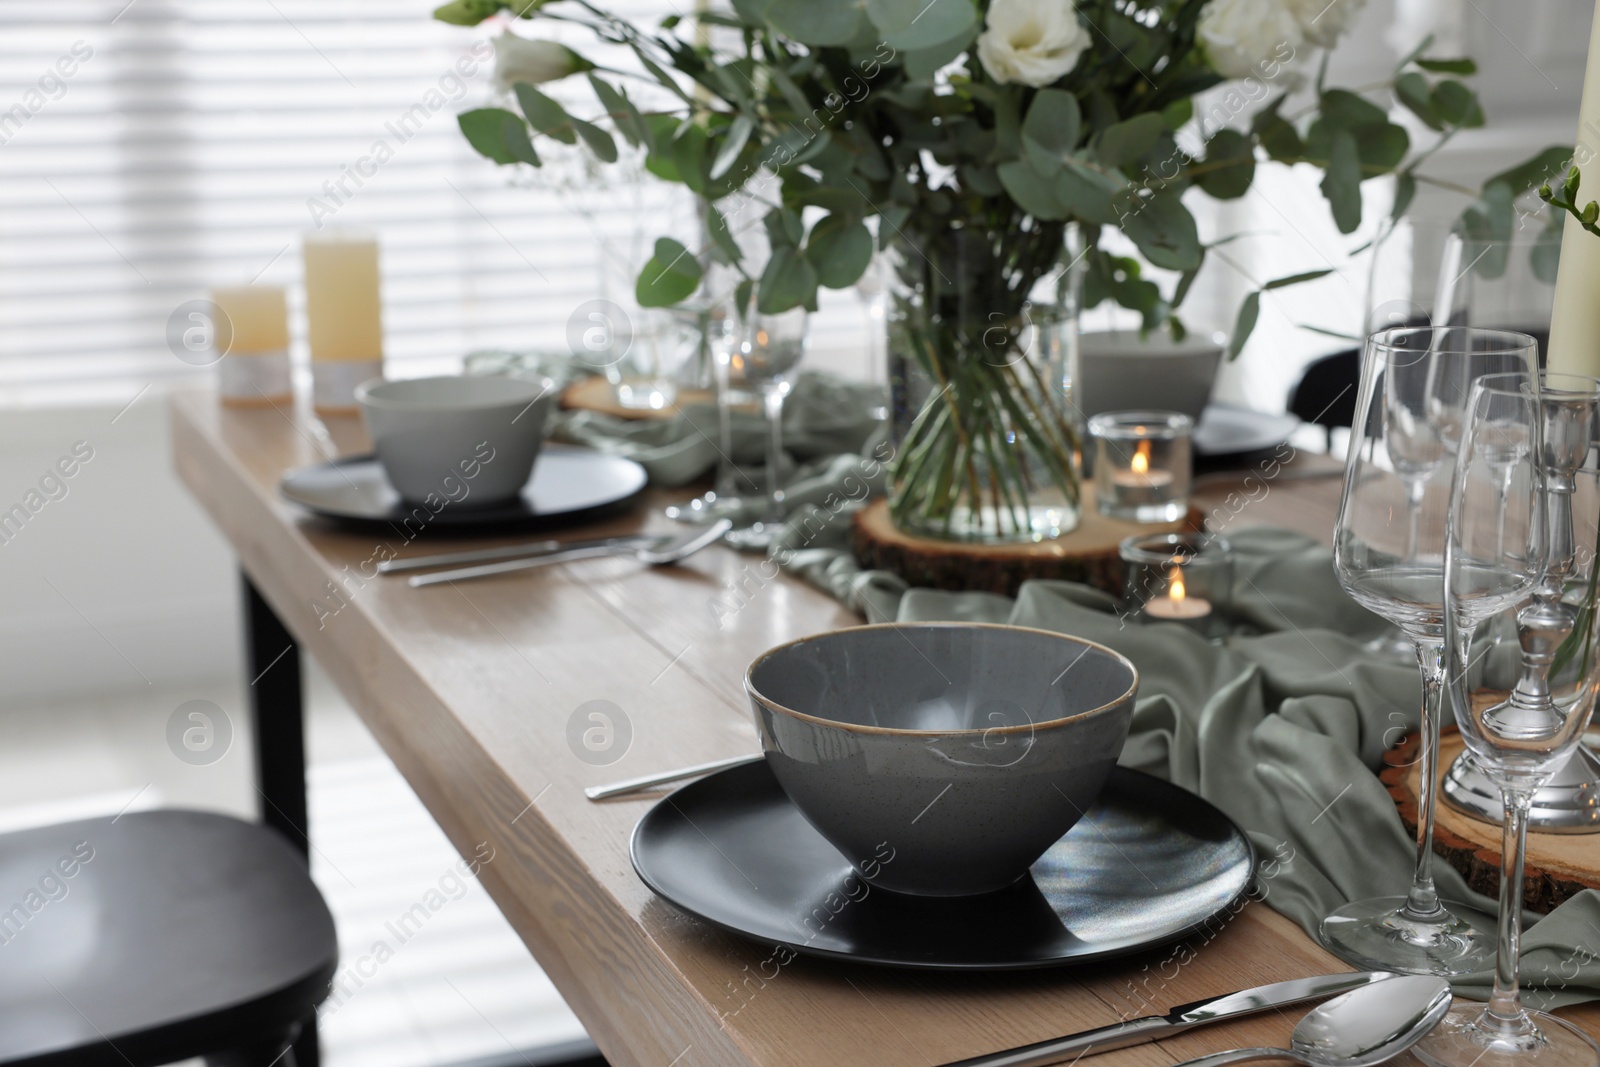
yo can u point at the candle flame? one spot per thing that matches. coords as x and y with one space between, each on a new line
1175 589
1141 458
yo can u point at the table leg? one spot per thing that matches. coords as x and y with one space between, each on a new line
278 725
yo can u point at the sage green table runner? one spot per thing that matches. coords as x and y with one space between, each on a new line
1282 727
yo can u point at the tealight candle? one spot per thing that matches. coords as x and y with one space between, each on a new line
252 336
1177 605
1181 578
344 315
1141 464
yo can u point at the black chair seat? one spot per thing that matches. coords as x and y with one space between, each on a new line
155 937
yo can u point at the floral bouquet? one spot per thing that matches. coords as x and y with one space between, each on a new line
986 152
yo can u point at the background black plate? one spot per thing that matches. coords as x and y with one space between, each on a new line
1225 430
567 481
1149 863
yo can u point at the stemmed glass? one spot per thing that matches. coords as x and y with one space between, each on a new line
771 347
1389 556
1523 666
722 331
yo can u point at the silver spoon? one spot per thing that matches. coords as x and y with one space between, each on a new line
655 556
1360 1028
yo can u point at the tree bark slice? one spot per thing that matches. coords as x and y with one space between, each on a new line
1558 866
1088 554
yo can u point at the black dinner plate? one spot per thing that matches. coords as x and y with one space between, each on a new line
1148 864
1225 430
567 482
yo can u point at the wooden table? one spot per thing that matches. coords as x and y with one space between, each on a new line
470 690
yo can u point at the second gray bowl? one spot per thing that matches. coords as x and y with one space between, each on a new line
942 759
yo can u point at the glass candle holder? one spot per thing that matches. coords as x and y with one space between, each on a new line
1185 578
1142 464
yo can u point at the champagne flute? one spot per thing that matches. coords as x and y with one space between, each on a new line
1389 556
1523 664
772 347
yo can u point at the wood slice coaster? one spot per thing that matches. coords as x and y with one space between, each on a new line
594 394
1558 866
1088 554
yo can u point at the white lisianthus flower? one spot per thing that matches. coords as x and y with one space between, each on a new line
1033 42
1324 21
517 59
1242 36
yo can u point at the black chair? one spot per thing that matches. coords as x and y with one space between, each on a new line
155 937
1326 393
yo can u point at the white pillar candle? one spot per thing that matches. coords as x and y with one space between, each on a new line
344 314
1575 319
252 338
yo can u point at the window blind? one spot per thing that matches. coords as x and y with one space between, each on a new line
152 149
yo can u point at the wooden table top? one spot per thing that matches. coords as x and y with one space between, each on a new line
469 689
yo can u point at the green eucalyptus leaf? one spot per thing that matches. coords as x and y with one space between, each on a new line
1381 148
935 22
818 23
738 136
485 129
785 229
1296 279
753 12
1087 194
982 180
1546 166
1546 254
839 248
1277 134
923 63
546 116
624 116
1412 56
1464 65
789 281
671 275
1341 185
721 236
1175 114
466 12
1032 191
1245 324
1051 129
688 150
1233 156
598 140
1456 105
519 144
1346 110
1413 91
1128 140
1405 191
1164 231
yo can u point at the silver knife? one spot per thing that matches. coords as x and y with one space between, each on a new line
1183 1017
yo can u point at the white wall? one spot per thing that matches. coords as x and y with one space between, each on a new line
122 581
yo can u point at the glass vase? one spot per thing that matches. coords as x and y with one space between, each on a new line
983 361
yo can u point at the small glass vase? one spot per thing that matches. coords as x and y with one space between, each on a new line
983 364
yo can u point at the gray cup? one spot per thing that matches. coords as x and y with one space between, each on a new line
942 759
468 440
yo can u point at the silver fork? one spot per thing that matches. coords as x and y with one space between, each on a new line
655 556
516 551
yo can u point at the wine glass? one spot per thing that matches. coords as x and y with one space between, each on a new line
1389 556
771 347
1523 663
722 328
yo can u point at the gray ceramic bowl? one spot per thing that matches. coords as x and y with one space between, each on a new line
942 759
468 441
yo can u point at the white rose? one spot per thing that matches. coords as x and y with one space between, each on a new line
517 59
1240 36
1031 41
1324 21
